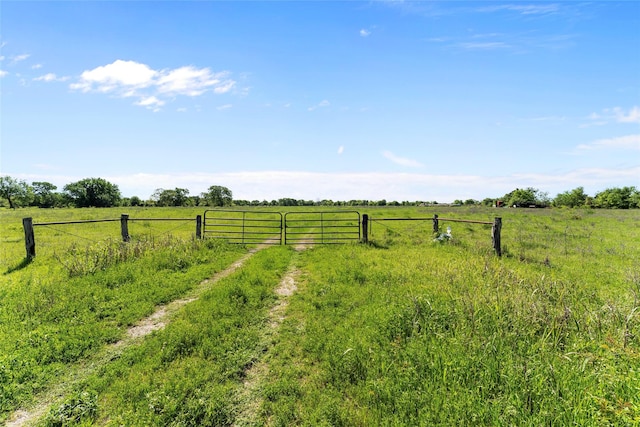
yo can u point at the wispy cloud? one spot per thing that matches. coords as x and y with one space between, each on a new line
151 102
615 115
402 161
547 119
514 42
50 77
19 58
484 45
533 9
628 142
133 79
523 9
365 33
341 149
224 107
321 104
3 73
633 116
36 66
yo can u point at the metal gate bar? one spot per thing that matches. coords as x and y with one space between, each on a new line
321 227
244 227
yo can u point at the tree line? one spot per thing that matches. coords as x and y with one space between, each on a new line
98 192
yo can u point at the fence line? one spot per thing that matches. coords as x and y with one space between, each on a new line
124 219
29 235
495 229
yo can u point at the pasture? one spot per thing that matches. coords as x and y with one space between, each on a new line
403 331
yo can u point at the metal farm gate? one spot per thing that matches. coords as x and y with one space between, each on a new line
321 227
261 227
245 227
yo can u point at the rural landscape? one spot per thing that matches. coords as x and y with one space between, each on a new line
362 213
416 327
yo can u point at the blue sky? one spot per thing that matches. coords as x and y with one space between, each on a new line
339 100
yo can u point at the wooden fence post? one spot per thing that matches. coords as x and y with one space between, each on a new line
365 228
495 235
199 227
124 227
29 238
436 226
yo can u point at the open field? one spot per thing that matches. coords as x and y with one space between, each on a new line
404 331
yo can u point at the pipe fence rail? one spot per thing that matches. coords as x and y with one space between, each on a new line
243 227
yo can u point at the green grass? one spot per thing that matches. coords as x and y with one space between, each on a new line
65 307
436 334
404 331
189 373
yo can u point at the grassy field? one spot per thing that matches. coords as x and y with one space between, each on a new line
405 331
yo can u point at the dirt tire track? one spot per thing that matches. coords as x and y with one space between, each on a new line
82 369
249 396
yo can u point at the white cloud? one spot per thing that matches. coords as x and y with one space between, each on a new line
118 76
322 104
3 73
524 9
36 66
632 117
616 114
150 102
269 185
365 33
133 79
402 161
224 107
341 149
483 45
226 86
50 77
191 81
18 58
628 142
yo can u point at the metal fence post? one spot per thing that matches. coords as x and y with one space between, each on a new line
29 238
436 226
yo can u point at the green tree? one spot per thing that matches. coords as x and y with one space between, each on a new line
93 192
45 195
617 198
572 199
218 195
525 197
175 197
17 192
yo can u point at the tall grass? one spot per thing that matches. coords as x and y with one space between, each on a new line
404 331
448 335
189 373
59 309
